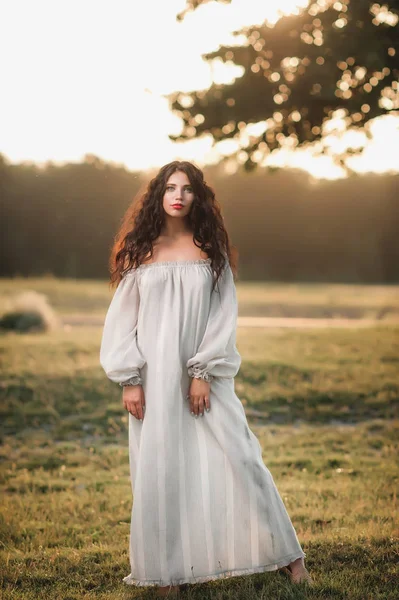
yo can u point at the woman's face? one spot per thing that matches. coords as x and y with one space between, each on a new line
178 193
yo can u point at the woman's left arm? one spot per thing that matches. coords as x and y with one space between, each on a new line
217 355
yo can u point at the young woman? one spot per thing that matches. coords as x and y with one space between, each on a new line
205 505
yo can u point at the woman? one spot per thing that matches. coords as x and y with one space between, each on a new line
205 505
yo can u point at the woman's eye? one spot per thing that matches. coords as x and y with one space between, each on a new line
170 187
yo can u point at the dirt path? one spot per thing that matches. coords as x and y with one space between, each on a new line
301 322
280 322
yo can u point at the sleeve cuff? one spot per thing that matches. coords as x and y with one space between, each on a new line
135 380
198 373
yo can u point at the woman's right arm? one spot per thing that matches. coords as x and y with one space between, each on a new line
120 354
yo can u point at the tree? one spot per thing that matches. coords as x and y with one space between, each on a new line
332 55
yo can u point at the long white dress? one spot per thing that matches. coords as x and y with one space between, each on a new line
205 506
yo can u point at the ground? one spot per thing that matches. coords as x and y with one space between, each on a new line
323 403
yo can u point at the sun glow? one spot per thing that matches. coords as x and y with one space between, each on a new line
90 77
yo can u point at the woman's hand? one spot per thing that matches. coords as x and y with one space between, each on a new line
134 401
199 396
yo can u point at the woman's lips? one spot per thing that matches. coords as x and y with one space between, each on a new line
178 206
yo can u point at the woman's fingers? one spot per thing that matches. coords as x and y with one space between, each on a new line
195 406
198 404
133 401
133 409
199 396
136 409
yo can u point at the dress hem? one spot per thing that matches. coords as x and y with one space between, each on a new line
286 560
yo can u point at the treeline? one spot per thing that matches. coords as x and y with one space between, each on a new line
62 220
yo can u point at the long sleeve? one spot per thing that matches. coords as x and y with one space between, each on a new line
120 355
217 355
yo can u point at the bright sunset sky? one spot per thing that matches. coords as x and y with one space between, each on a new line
87 76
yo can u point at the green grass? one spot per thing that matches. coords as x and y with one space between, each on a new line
320 376
54 381
66 512
325 406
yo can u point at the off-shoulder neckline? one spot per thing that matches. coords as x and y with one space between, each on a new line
175 263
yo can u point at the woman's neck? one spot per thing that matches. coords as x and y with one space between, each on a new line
175 228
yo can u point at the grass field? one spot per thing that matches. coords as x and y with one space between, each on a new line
323 403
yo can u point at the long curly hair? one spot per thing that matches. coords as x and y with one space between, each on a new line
145 217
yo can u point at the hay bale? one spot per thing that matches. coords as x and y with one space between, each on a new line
28 312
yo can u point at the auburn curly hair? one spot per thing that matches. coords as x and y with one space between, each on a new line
144 220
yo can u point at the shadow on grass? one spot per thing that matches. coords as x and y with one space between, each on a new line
85 405
285 394
341 570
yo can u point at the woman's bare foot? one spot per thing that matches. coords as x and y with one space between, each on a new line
298 572
167 591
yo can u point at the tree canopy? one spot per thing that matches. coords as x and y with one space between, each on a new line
332 56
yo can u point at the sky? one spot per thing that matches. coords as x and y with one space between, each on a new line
88 77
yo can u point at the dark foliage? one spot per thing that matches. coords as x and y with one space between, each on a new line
62 220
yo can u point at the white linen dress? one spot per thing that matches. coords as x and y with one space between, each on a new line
205 506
